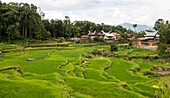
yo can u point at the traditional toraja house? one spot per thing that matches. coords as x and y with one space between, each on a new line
89 36
84 38
116 35
92 35
100 34
133 38
75 39
149 41
107 36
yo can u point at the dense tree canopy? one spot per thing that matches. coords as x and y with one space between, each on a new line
163 29
20 20
23 20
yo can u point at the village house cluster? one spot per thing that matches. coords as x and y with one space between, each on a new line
149 41
107 36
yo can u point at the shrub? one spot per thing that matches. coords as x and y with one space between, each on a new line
135 69
98 39
162 48
130 43
60 40
149 73
113 47
85 55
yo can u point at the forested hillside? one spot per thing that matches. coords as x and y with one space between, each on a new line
23 20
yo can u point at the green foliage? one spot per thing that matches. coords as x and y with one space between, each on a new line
27 89
78 72
98 39
158 23
85 55
144 89
94 74
164 33
162 89
163 30
123 51
162 48
26 21
5 48
139 52
119 70
140 34
113 47
99 89
31 85
148 73
130 43
44 77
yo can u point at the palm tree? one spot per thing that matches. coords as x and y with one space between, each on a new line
134 26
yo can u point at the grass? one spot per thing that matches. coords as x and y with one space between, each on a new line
10 48
52 44
146 65
121 51
30 88
78 71
98 63
144 90
68 67
120 70
94 74
43 78
99 89
141 52
40 66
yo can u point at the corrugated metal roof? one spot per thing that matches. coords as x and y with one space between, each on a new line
108 34
151 34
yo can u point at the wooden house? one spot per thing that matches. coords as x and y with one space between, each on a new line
116 35
149 41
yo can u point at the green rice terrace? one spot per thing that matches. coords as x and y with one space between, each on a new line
66 70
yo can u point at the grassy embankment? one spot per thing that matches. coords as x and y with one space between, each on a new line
57 71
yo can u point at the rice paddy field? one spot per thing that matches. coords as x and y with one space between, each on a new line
72 71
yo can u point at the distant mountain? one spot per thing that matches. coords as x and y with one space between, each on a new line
138 28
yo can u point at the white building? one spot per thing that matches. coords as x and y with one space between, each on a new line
108 36
151 35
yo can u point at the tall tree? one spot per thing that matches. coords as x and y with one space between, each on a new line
164 32
23 20
134 26
158 24
67 26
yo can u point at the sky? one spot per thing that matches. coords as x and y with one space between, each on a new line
111 12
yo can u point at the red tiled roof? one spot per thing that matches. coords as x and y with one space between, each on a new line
92 34
84 36
142 38
100 34
115 34
129 34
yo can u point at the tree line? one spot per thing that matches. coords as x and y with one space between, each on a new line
26 21
163 28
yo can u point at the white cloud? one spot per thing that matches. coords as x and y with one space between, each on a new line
107 11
